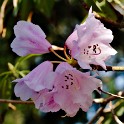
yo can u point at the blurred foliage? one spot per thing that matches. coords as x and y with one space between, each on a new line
57 19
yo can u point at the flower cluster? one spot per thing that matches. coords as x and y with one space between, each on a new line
66 88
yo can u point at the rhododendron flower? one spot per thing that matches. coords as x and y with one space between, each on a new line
37 78
22 90
37 85
30 39
90 43
44 101
73 89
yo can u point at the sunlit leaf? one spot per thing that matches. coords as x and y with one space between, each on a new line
118 5
106 9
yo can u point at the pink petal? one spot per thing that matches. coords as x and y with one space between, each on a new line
63 66
29 41
73 37
88 36
74 89
44 101
22 90
37 78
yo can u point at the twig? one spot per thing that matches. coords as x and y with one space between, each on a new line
108 68
114 115
104 102
53 51
118 96
107 110
15 101
113 23
98 113
84 5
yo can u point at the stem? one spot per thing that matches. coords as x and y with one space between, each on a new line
56 62
16 101
66 53
118 68
113 113
108 68
99 111
24 58
118 96
57 48
52 50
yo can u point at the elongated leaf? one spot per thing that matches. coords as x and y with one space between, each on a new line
106 9
45 6
5 87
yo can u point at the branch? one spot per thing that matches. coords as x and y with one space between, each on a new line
108 110
114 115
104 102
98 113
113 23
16 101
114 95
108 68
111 98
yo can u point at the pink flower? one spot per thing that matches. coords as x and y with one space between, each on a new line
37 78
66 88
22 90
44 101
38 85
73 89
30 39
90 43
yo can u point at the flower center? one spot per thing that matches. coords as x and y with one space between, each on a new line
92 50
69 82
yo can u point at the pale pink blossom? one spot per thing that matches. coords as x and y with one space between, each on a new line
66 88
44 101
73 89
90 43
22 90
38 86
30 39
37 78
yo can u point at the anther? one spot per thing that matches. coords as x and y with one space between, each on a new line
67 86
89 47
71 83
67 77
70 75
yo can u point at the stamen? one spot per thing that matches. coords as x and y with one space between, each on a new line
70 75
67 77
67 87
89 47
98 52
94 48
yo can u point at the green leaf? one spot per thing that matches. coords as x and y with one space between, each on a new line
45 6
5 86
25 8
22 59
106 10
118 5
